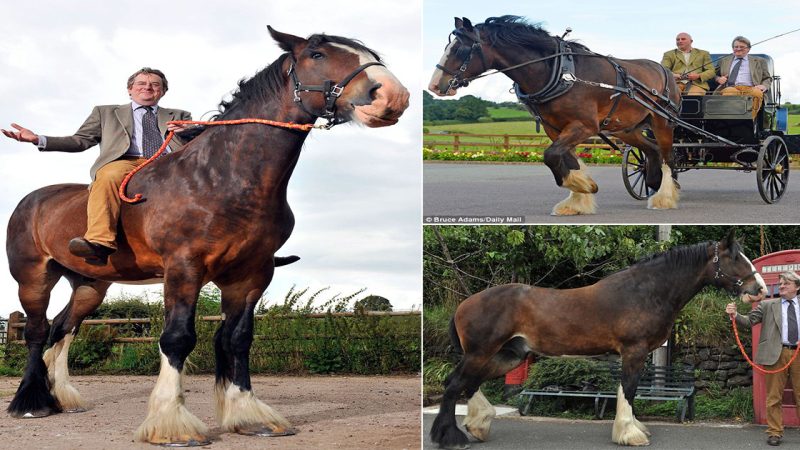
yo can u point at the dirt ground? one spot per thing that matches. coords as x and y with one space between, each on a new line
376 412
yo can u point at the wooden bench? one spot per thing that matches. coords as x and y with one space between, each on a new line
656 383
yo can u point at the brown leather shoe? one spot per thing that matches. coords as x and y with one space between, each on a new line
94 254
774 441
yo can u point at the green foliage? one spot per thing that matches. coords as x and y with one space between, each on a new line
569 372
287 339
436 370
125 306
711 404
16 355
560 256
92 347
703 320
374 303
467 108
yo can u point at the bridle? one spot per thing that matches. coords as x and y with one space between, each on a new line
457 79
330 91
719 273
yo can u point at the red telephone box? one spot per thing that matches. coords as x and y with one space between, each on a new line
770 266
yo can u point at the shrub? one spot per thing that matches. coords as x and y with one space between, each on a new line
92 347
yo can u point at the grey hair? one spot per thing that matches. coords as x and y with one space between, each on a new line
149 71
741 39
790 276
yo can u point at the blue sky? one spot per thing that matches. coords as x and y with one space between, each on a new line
355 192
630 29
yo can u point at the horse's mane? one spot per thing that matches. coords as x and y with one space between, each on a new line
516 31
682 256
268 82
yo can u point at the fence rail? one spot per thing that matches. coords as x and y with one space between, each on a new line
16 323
502 141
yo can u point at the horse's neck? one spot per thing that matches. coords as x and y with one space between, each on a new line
530 77
258 156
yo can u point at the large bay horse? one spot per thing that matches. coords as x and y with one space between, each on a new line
629 313
575 93
214 212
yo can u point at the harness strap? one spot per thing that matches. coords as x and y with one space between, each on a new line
330 91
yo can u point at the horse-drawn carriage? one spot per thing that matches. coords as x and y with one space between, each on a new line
733 140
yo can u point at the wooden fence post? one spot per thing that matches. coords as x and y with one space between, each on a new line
15 333
506 142
455 143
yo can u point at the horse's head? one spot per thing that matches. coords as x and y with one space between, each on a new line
463 58
340 79
733 271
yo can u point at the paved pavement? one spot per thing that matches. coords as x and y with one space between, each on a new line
529 191
511 432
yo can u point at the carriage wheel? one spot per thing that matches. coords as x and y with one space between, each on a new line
772 171
634 172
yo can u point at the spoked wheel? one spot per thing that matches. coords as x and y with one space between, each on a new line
772 171
634 172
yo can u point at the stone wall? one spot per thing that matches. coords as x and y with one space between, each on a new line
723 366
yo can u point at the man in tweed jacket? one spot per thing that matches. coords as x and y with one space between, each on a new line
691 67
752 78
117 129
776 347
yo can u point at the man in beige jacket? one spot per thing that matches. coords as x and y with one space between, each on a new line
779 320
691 67
743 74
127 135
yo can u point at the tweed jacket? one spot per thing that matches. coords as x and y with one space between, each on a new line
699 63
768 314
758 69
111 126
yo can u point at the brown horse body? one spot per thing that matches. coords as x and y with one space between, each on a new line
591 105
215 211
629 313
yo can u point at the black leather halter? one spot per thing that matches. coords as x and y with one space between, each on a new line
719 273
330 91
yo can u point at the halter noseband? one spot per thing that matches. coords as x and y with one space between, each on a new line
457 79
719 273
330 91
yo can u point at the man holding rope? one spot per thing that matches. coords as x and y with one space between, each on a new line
128 135
779 320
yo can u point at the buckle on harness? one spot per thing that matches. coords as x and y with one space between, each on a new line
337 90
568 77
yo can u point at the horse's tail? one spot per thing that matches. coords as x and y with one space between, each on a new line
454 340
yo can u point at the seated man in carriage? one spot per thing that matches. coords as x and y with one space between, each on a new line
691 67
741 74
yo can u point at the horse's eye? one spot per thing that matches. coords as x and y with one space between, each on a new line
317 55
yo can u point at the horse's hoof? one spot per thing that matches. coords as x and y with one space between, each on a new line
189 443
36 414
266 432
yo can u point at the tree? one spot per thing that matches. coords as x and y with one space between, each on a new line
373 303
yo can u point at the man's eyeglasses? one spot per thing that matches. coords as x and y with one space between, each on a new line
736 47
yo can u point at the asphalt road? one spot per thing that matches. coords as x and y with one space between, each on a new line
512 433
529 191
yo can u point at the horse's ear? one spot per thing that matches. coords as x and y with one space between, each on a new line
459 23
730 239
468 25
287 42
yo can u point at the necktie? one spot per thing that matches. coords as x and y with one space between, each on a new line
151 137
791 321
734 73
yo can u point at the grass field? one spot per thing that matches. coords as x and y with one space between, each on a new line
507 113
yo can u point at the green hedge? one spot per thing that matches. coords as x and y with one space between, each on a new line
287 340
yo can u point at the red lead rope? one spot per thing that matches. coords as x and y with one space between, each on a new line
759 368
138 197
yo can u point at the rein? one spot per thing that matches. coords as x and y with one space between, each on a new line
754 365
138 197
